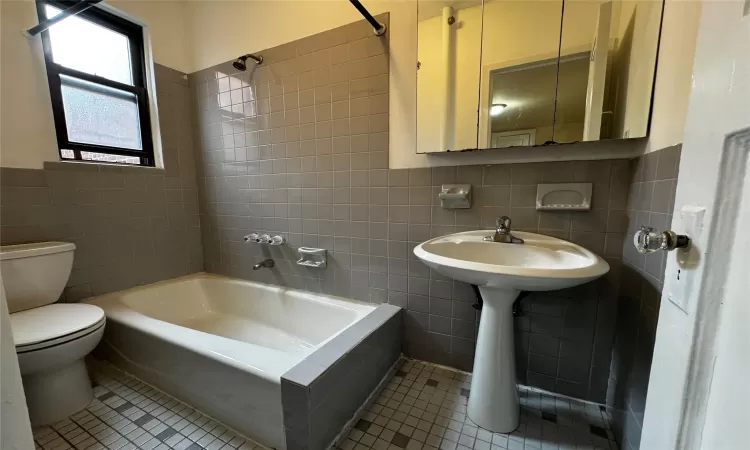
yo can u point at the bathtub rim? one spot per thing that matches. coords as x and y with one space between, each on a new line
264 362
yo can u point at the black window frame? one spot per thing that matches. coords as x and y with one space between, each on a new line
134 34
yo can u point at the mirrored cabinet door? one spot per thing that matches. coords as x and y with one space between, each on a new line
449 50
507 73
518 73
607 66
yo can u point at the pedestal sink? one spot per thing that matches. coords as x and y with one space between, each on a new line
502 271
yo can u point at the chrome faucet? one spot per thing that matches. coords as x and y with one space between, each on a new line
502 232
267 263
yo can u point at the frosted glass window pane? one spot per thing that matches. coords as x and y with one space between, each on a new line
83 45
104 157
96 114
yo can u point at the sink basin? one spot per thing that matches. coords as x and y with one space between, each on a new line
502 271
541 263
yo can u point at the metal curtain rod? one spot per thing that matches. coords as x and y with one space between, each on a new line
379 27
79 7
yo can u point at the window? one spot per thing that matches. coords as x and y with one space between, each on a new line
97 80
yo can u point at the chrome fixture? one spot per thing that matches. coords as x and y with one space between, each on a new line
267 263
378 27
241 62
256 238
502 232
649 240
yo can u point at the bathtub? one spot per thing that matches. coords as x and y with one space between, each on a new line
225 346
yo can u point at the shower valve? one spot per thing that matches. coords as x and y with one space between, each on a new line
267 239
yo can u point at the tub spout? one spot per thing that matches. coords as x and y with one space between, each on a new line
267 263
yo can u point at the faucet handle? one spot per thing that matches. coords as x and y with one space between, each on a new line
503 223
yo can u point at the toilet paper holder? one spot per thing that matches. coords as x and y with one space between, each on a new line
455 196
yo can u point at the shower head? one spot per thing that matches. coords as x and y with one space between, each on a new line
241 62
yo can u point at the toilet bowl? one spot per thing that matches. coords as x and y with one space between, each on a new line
52 339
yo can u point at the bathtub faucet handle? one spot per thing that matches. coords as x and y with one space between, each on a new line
276 240
252 238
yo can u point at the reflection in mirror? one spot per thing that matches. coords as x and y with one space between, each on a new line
449 50
502 73
520 45
620 39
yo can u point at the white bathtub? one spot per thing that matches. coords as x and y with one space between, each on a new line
222 344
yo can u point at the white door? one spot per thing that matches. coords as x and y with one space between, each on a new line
592 123
513 138
699 391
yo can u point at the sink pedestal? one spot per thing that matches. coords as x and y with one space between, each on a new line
493 400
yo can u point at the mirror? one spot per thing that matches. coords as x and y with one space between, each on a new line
449 49
503 73
620 39
520 46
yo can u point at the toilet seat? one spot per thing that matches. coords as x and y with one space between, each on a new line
55 324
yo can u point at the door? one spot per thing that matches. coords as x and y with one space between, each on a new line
698 389
592 123
513 138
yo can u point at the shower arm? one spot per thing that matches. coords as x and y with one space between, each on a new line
257 59
379 27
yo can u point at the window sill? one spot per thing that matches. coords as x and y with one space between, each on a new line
90 166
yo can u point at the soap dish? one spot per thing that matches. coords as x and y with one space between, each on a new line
312 257
563 197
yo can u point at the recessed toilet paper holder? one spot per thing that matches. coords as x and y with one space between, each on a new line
455 196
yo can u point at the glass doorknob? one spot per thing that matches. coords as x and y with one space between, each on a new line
649 240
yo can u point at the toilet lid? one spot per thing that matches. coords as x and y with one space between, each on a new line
53 321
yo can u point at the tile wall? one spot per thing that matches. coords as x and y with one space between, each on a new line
322 393
299 147
651 202
131 226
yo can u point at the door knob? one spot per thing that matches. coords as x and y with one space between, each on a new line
649 240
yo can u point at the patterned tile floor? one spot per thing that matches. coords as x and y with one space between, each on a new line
127 414
423 407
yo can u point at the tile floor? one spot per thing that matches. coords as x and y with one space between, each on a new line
127 414
423 407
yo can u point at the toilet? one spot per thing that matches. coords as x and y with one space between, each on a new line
52 339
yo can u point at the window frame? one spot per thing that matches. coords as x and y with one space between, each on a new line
135 34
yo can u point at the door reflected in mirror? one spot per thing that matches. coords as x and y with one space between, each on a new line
520 47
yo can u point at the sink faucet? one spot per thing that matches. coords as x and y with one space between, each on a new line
267 263
502 232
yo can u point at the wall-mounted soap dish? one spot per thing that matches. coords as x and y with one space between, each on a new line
312 257
563 197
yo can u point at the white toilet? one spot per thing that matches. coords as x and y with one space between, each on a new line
51 338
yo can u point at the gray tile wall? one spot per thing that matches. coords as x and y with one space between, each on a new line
299 146
324 391
131 226
651 202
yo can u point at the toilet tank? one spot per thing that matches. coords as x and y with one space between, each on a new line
35 274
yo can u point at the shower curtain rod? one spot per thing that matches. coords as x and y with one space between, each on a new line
379 27
79 7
